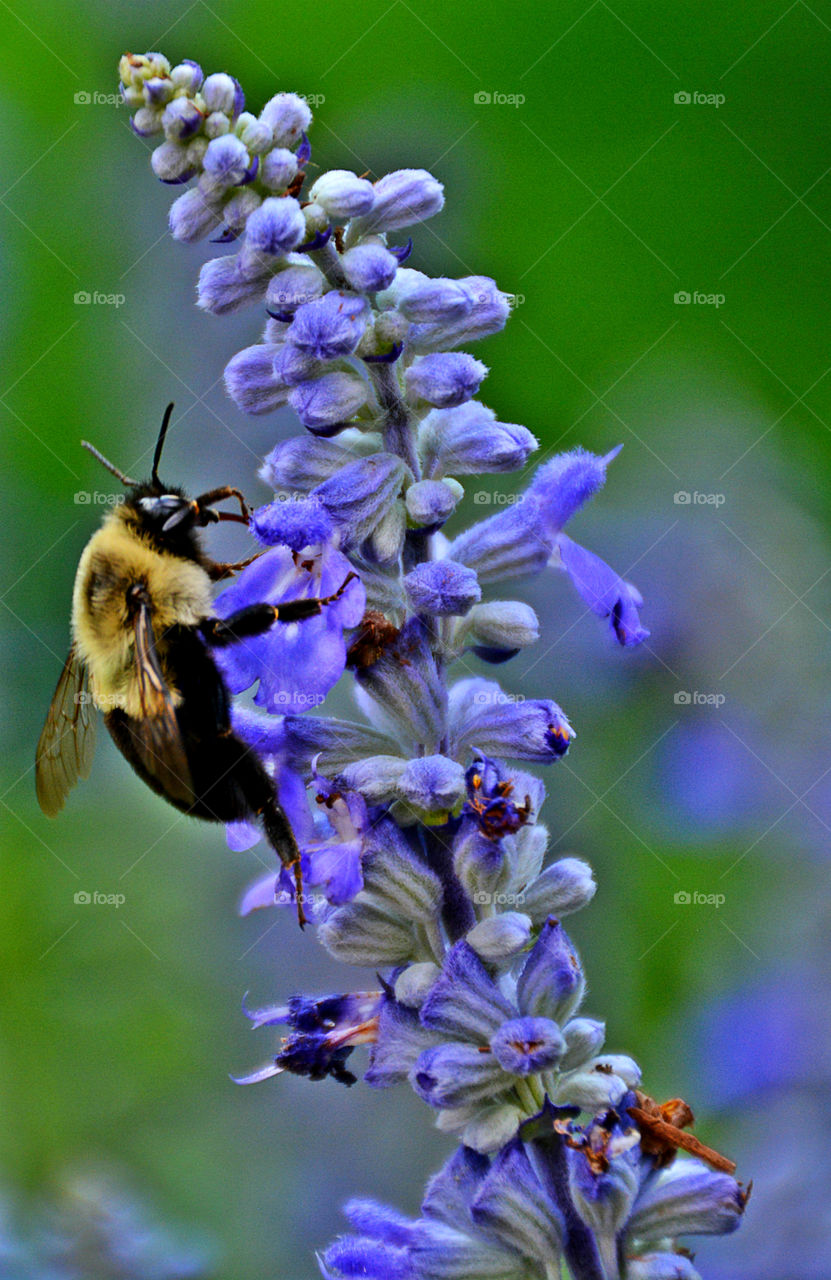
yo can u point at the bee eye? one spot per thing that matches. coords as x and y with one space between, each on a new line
163 506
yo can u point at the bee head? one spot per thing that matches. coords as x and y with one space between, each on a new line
166 511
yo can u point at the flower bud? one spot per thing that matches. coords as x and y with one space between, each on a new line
299 282
191 218
401 199
551 984
412 986
565 886
276 227
468 440
250 380
287 116
445 379
442 588
369 267
181 119
430 503
148 121
500 937
187 77
433 787
226 160
500 625
325 401
222 288
331 326
343 194
223 93
170 162
255 135
217 125
278 169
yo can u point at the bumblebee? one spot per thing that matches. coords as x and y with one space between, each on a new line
143 629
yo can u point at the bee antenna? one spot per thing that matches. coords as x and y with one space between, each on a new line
119 475
157 456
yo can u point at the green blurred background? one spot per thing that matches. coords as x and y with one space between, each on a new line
595 200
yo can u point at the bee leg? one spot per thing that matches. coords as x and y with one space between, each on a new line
281 838
204 501
253 620
220 569
297 610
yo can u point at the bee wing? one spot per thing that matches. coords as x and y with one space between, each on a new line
156 736
67 744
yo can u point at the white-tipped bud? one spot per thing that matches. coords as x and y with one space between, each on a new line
343 194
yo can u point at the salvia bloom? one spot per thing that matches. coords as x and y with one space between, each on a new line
422 849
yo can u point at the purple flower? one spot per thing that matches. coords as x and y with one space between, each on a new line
468 440
276 227
369 267
329 401
444 380
330 326
401 199
604 591
323 1033
292 524
442 588
343 194
483 717
296 664
288 116
226 160
251 382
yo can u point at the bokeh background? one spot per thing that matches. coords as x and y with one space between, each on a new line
597 196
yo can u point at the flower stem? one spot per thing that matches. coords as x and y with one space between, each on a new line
457 911
397 424
548 1155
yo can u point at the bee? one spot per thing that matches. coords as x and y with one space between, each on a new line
143 628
